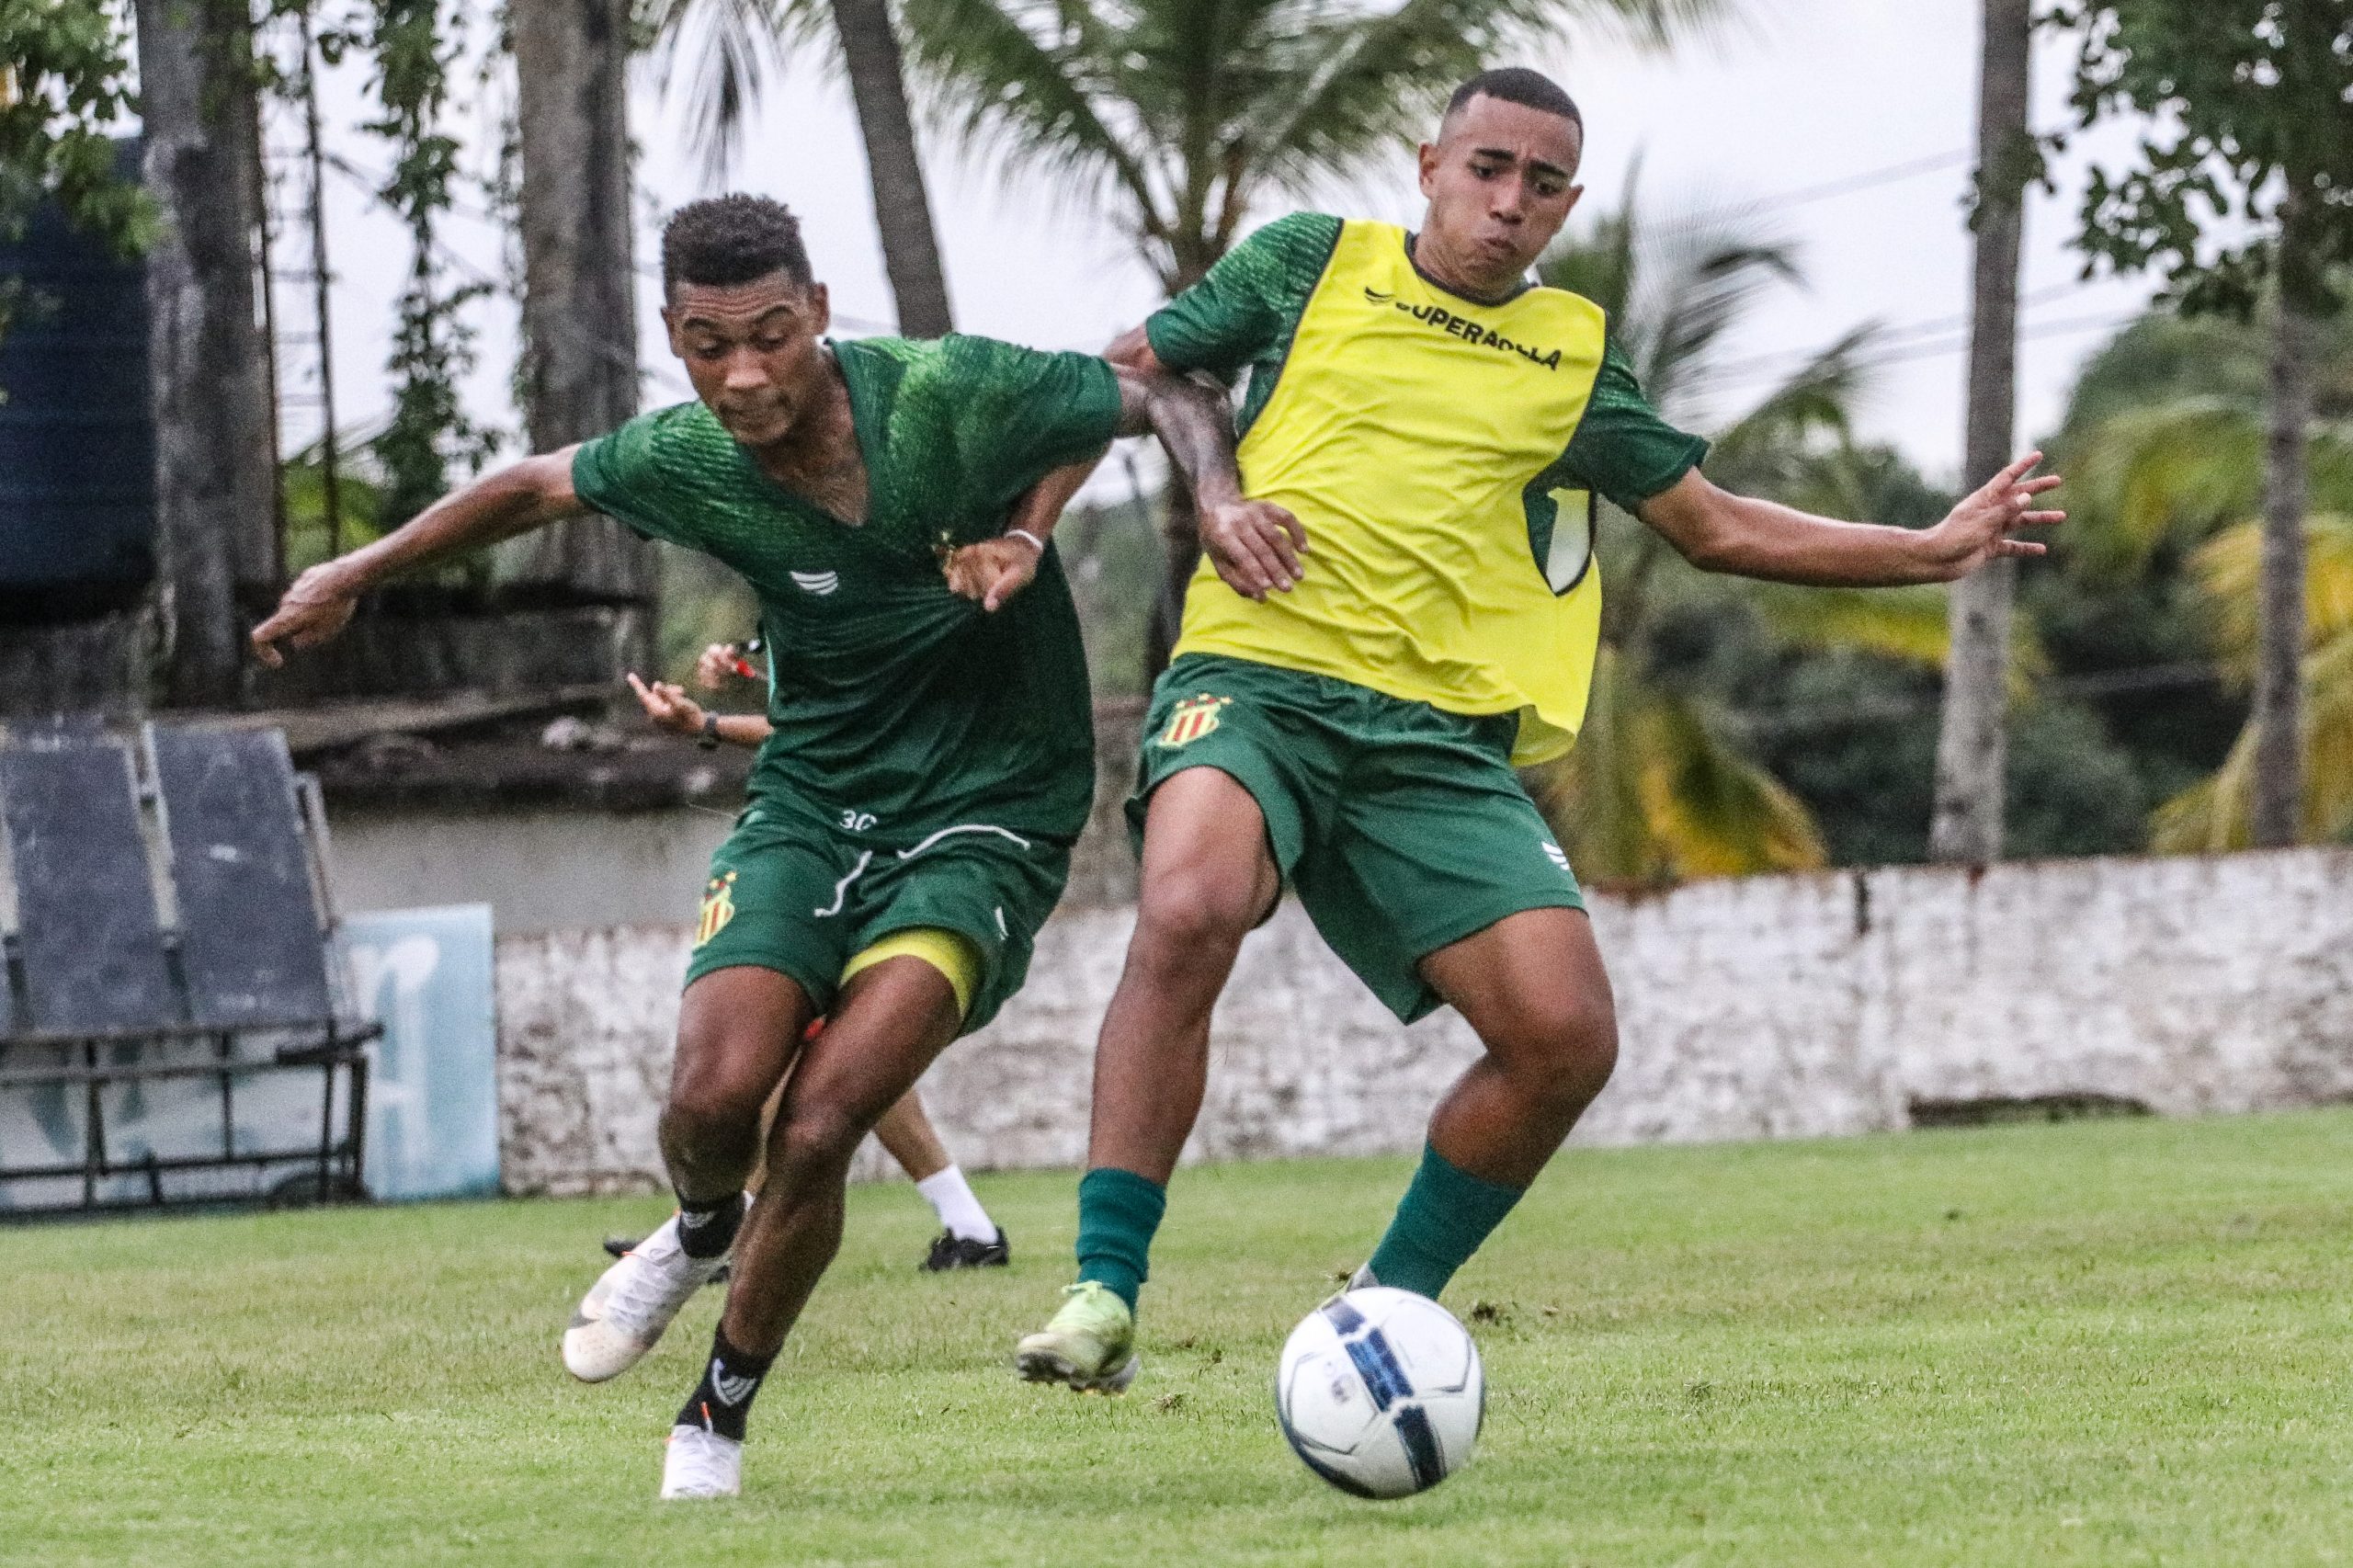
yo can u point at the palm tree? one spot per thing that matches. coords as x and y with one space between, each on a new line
1658 788
734 43
1180 116
1971 746
2187 467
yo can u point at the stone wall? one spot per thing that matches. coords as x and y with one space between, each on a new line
1783 1007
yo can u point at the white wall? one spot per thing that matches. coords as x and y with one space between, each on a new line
1781 1006
552 870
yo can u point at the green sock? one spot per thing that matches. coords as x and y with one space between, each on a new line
1117 1212
1441 1221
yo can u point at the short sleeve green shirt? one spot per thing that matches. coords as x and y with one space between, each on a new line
897 706
1242 316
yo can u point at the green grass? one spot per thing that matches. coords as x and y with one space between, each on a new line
2097 1343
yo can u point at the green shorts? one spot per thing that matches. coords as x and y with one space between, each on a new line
1402 828
794 890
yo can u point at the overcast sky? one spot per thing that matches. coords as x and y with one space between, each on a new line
1846 121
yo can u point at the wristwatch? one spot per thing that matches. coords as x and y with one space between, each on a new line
709 738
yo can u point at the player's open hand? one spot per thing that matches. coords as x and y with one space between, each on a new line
669 705
1255 545
1985 525
315 607
993 570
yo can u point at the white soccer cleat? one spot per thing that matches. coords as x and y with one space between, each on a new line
623 1314
701 1463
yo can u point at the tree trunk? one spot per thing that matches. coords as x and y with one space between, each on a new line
579 296
902 207
1972 752
2276 814
216 441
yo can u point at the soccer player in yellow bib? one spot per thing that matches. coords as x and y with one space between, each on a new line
1397 603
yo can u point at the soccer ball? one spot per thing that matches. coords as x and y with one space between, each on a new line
1381 1392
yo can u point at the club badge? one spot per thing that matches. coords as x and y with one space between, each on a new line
717 908
1194 717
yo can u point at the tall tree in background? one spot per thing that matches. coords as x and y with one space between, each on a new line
579 372
1972 750
2172 465
2243 109
734 42
1177 116
216 443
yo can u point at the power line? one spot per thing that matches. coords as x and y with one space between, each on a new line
1778 358
1911 168
1765 366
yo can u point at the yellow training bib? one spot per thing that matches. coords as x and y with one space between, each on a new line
1415 434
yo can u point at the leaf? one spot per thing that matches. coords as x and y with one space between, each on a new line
2229 570
2215 814
1716 813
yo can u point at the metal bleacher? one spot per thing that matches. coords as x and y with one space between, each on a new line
168 991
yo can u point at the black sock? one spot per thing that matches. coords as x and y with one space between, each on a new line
727 1372
707 1229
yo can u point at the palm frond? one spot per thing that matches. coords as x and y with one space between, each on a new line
2216 813
2229 569
1906 624
1766 448
1372 80
1024 77
1717 813
721 51
1654 792
2171 471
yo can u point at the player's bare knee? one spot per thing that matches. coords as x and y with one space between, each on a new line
716 1103
813 1142
1563 1052
1187 923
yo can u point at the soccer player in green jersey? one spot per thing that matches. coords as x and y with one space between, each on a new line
929 763
1398 601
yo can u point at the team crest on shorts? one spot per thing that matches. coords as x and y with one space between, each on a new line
717 908
1194 717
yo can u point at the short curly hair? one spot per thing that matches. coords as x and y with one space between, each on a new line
732 239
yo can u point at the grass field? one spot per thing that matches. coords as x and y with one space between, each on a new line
2100 1343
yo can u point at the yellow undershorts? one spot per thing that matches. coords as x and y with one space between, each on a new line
953 954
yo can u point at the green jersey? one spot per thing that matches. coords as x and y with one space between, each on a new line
899 708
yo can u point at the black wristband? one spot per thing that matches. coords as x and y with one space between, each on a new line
709 738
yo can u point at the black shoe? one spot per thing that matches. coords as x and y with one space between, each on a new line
950 1250
619 1247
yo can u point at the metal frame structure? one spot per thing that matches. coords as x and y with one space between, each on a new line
242 958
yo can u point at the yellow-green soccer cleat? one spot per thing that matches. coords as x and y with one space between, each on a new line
1088 1346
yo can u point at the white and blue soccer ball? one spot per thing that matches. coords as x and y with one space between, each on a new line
1381 1392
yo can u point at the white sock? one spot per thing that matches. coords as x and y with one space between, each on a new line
952 1200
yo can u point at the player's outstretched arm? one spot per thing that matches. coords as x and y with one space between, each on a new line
1719 531
1254 545
514 500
